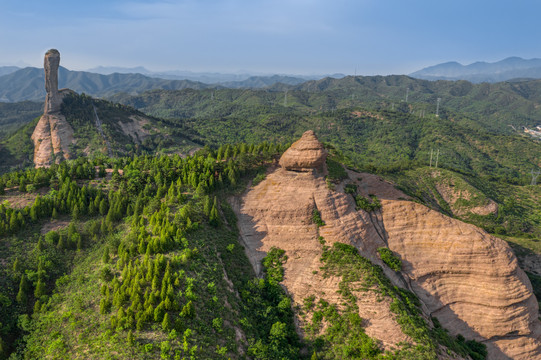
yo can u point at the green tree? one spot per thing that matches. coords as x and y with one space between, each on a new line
17 265
166 323
61 245
22 295
105 258
103 207
40 289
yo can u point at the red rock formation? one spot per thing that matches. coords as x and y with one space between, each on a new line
305 154
463 276
53 134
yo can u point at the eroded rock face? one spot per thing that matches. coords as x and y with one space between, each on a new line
467 278
463 276
53 134
278 212
305 154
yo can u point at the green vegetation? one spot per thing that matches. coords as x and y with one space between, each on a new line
335 341
143 264
336 171
389 258
16 115
139 271
316 218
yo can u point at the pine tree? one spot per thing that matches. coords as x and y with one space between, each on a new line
60 244
130 339
166 324
17 265
103 306
105 257
103 207
79 242
23 287
37 307
55 213
33 213
40 289
207 205
75 213
40 245
13 223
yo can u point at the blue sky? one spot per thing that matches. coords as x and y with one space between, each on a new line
269 36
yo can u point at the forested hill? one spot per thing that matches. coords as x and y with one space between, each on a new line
27 84
139 257
122 131
374 134
494 106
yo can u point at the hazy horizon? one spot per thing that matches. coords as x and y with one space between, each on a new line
301 37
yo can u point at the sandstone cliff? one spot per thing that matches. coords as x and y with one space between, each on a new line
466 278
53 134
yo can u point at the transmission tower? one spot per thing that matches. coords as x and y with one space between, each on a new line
285 98
407 93
437 158
534 177
438 108
431 152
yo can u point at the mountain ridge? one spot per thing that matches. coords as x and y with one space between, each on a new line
481 71
25 84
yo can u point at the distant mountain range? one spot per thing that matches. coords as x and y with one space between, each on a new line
225 79
18 84
504 70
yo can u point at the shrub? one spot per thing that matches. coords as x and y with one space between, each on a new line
390 259
316 218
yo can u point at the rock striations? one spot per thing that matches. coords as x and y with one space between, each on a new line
53 134
305 154
463 276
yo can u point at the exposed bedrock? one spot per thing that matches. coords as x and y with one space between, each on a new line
53 134
465 277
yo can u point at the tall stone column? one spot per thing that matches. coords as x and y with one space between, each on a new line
53 134
50 65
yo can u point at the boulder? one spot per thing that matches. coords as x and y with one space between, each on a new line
305 154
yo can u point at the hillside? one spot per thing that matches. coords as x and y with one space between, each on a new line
124 131
27 84
15 115
493 106
146 263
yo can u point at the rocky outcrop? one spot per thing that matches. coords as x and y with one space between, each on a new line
50 65
463 276
278 212
53 134
305 154
468 279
